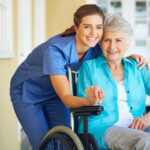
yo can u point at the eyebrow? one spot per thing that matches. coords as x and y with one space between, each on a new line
115 38
120 38
97 24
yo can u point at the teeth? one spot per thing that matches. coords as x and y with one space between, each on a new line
91 38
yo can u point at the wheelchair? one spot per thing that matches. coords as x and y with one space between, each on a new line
65 138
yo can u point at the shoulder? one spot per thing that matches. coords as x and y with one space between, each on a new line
96 61
61 41
96 51
129 62
132 61
63 45
131 65
89 64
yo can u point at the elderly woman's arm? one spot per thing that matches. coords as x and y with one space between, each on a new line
144 121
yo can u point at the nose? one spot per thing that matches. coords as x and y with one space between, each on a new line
93 31
112 45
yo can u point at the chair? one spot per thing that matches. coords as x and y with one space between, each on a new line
64 138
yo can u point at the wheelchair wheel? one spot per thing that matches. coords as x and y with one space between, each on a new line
61 138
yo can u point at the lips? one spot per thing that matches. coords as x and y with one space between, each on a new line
112 52
92 38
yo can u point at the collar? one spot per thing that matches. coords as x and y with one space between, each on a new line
101 60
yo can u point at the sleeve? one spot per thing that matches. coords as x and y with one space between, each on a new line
84 80
146 79
54 61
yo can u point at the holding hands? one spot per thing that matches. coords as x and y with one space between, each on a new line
94 95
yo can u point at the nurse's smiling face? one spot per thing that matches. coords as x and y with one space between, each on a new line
89 32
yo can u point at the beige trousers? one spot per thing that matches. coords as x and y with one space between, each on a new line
121 138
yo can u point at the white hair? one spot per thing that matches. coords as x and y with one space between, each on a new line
116 23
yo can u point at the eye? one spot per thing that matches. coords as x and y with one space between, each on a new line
119 40
99 27
86 26
106 40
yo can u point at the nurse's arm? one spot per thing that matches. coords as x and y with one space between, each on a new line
62 87
140 59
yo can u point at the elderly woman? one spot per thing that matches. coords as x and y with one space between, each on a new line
122 89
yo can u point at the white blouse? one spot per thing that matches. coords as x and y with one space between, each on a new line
125 117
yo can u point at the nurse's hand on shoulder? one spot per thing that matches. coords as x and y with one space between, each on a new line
94 95
140 59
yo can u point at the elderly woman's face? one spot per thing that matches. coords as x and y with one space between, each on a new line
114 45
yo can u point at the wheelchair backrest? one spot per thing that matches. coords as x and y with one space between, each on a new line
73 75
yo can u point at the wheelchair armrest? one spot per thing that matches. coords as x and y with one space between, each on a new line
87 110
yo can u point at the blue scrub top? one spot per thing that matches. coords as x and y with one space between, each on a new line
31 82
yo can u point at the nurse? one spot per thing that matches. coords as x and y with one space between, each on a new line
40 91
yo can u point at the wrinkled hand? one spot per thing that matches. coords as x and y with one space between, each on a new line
140 59
94 95
140 123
